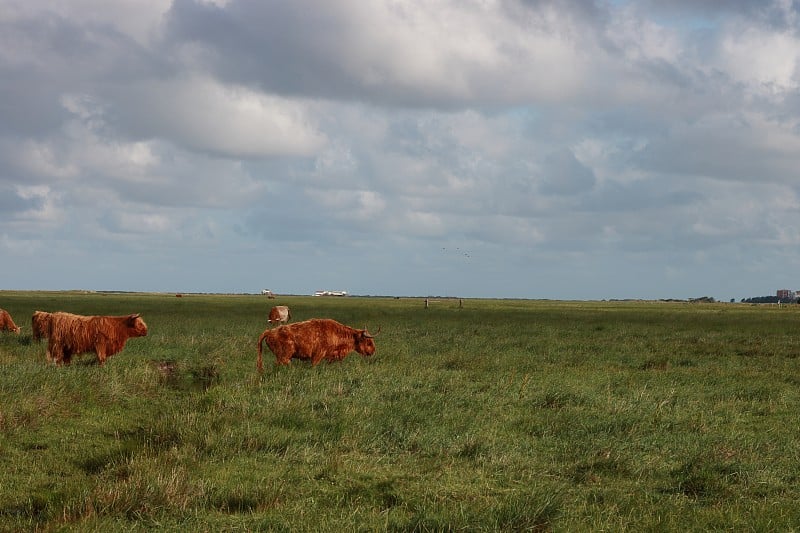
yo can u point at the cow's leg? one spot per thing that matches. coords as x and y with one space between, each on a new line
101 355
57 352
283 353
317 357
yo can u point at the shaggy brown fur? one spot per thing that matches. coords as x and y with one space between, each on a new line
315 339
104 335
279 313
7 323
40 325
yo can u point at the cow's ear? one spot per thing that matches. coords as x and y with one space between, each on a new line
132 318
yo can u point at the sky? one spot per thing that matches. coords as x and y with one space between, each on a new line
573 149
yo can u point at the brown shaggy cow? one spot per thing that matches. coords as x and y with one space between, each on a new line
279 313
7 323
104 335
315 339
40 325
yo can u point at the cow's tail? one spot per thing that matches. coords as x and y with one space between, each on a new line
260 360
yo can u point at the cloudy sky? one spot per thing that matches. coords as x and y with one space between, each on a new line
477 148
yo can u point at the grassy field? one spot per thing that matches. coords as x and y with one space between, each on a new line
498 416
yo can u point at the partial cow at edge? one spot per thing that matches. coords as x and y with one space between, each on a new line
315 340
104 335
278 314
7 323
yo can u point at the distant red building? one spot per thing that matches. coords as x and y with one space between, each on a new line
785 294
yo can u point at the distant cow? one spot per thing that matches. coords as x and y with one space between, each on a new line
40 325
315 339
278 314
7 323
104 335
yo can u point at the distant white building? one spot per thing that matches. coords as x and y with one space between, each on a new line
330 293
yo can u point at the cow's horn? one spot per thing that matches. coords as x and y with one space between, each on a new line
371 335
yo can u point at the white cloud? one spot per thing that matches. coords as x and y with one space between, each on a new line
465 50
361 206
641 39
441 53
421 224
38 159
231 121
765 60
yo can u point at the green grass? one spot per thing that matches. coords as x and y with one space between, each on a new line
499 416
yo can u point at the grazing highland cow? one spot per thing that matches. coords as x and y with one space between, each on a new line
104 335
7 323
40 325
278 314
315 339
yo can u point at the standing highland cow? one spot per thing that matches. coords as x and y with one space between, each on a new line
40 325
104 335
7 323
315 339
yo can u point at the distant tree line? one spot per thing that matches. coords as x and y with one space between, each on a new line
767 300
702 300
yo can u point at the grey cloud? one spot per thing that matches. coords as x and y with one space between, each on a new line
639 196
74 54
715 9
293 221
593 15
564 174
30 105
730 149
47 56
288 48
12 202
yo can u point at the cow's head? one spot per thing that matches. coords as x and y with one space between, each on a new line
136 325
364 343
